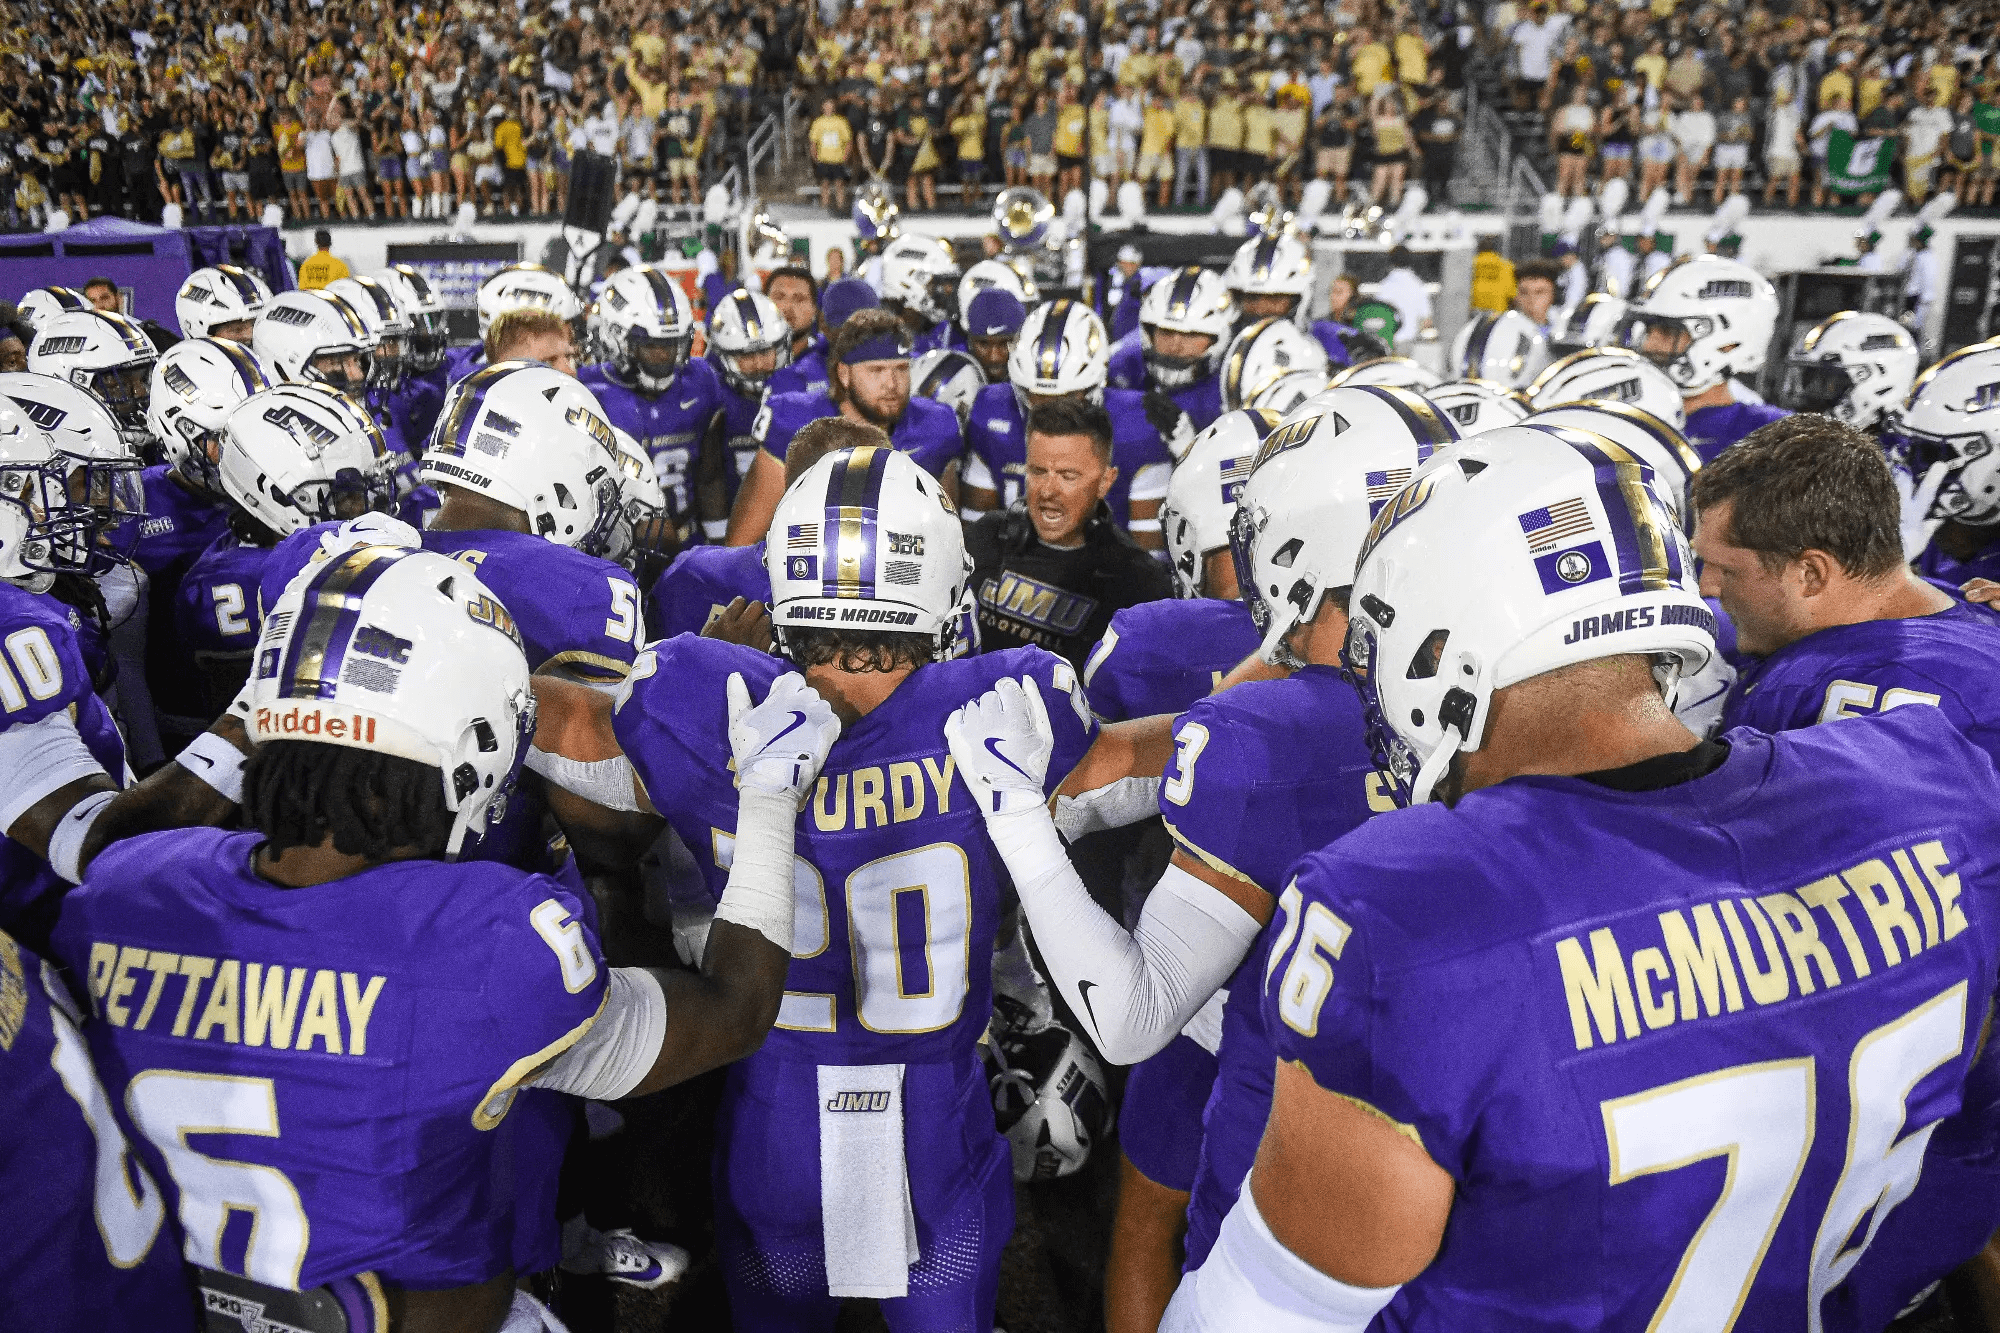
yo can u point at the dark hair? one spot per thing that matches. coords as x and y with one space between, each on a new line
112 283
323 239
799 271
857 650
1807 483
1545 269
297 792
858 328
824 435
1074 416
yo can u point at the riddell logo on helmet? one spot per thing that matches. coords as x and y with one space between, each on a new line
308 721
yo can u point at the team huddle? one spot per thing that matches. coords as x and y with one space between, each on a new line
1526 955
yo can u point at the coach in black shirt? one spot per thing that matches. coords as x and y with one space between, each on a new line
1051 570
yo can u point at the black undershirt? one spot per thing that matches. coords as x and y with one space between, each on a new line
1663 770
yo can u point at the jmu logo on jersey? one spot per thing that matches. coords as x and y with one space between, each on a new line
1042 605
858 1101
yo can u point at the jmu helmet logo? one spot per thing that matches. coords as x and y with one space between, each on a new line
1407 502
592 425
68 345
314 435
1986 395
1724 289
290 314
46 415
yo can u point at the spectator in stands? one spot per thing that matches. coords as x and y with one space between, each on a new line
1533 43
1884 125
1833 115
1191 149
322 172
1386 116
1572 138
1656 145
832 146
1618 132
968 128
1924 135
1041 131
322 265
1734 130
1694 136
1784 138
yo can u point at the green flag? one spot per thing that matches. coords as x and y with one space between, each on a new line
1986 118
1858 166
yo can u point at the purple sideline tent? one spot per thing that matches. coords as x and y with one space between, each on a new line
148 262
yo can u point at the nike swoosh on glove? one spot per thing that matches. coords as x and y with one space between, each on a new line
1002 742
780 744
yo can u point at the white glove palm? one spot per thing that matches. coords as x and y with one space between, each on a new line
1002 742
780 743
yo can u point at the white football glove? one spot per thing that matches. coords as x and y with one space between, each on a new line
1002 742
780 743
1918 495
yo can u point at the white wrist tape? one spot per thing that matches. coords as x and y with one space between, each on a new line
66 843
759 894
1114 805
619 1050
215 761
1251 1280
606 782
1143 525
715 529
1136 990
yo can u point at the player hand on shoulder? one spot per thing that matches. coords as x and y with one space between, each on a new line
779 744
747 623
1002 742
1983 592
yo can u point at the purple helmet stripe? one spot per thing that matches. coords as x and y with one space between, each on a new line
327 620
847 535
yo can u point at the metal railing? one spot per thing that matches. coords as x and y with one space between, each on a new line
765 142
791 116
1523 190
733 179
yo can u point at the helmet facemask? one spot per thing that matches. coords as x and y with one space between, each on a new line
335 376
427 341
750 383
125 390
1816 386
648 360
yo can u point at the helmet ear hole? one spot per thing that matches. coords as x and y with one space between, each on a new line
1424 662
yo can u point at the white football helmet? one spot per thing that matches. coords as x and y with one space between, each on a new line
301 454
1474 577
1505 348
747 324
643 527
401 652
1476 406
1724 309
222 295
1284 394
1264 353
1952 421
1658 444
310 336
1201 498
424 310
197 383
43 531
900 566
1188 300
1599 321
1853 367
1277 263
1062 349
996 273
108 355
1609 374
1317 482
41 304
1050 1099
520 286
533 439
102 467
644 327
920 274
383 314
950 376
1393 372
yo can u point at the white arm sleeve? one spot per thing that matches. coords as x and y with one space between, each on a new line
759 893
607 782
1114 805
39 758
1250 1280
1136 990
1150 483
608 1061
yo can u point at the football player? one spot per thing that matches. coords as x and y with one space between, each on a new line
647 384
1535 1015
1854 367
1608 374
1477 406
107 356
1241 807
869 382
920 287
1272 275
1264 353
288 458
992 323
1061 353
65 788
101 1253
748 342
1797 537
221 302
864 1123
367 1080
1951 524
317 337
516 287
1702 321
807 372
1185 320
415 404
1505 348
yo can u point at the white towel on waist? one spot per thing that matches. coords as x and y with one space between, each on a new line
869 1231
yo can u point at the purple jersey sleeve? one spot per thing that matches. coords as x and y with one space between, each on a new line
1159 657
573 610
217 612
42 670
700 583
781 416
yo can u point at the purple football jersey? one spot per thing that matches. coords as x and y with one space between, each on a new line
95 1248
805 375
700 583
1202 400
1682 1049
217 617
1332 337
461 361
42 671
179 525
739 436
899 888
1262 774
1948 569
333 1064
928 432
1950 659
1712 429
1159 657
669 426
1142 425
